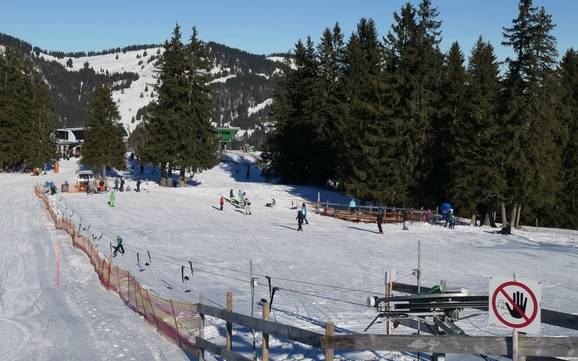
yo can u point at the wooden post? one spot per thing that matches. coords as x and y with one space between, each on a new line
230 324
201 352
329 330
265 348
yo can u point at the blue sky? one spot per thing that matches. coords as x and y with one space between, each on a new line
257 26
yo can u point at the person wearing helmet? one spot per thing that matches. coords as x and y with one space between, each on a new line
119 247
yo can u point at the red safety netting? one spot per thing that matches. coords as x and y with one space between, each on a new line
176 320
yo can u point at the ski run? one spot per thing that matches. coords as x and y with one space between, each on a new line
324 273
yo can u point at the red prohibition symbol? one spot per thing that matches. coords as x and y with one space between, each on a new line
527 320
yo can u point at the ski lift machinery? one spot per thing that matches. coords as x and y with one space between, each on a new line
435 313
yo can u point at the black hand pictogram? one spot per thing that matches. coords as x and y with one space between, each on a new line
519 300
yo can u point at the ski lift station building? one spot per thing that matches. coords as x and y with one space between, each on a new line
225 135
70 140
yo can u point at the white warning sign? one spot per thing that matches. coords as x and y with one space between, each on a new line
515 304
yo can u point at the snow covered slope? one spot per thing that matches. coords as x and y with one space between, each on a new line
78 320
324 273
131 99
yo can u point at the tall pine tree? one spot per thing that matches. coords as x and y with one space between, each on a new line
27 120
449 116
293 145
177 128
103 144
367 170
568 113
533 159
478 180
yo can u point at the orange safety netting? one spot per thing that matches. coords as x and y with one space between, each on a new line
176 320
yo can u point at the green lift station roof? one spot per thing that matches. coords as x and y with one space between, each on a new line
225 134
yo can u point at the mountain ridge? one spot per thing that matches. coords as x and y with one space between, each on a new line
243 83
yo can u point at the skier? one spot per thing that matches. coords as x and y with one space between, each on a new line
449 219
122 184
221 202
452 219
112 199
240 195
138 185
119 247
405 219
115 184
300 219
231 195
247 206
352 205
304 211
379 220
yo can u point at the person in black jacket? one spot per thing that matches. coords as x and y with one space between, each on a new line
380 220
300 219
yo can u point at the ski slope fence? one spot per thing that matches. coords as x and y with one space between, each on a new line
178 321
368 214
183 323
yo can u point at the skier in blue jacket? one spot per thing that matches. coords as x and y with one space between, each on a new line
304 211
352 205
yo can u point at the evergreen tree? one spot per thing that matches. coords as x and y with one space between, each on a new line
478 179
332 107
292 147
568 113
449 117
367 169
198 143
103 145
27 121
414 66
533 163
178 132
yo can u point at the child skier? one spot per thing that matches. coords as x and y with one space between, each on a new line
221 202
380 220
247 206
119 247
300 219
111 199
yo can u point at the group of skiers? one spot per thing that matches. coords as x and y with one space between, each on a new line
240 201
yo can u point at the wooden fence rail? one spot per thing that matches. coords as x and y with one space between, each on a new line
536 348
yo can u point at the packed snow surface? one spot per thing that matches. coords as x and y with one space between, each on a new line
79 320
324 273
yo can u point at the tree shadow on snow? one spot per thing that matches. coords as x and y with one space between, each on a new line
238 171
363 229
